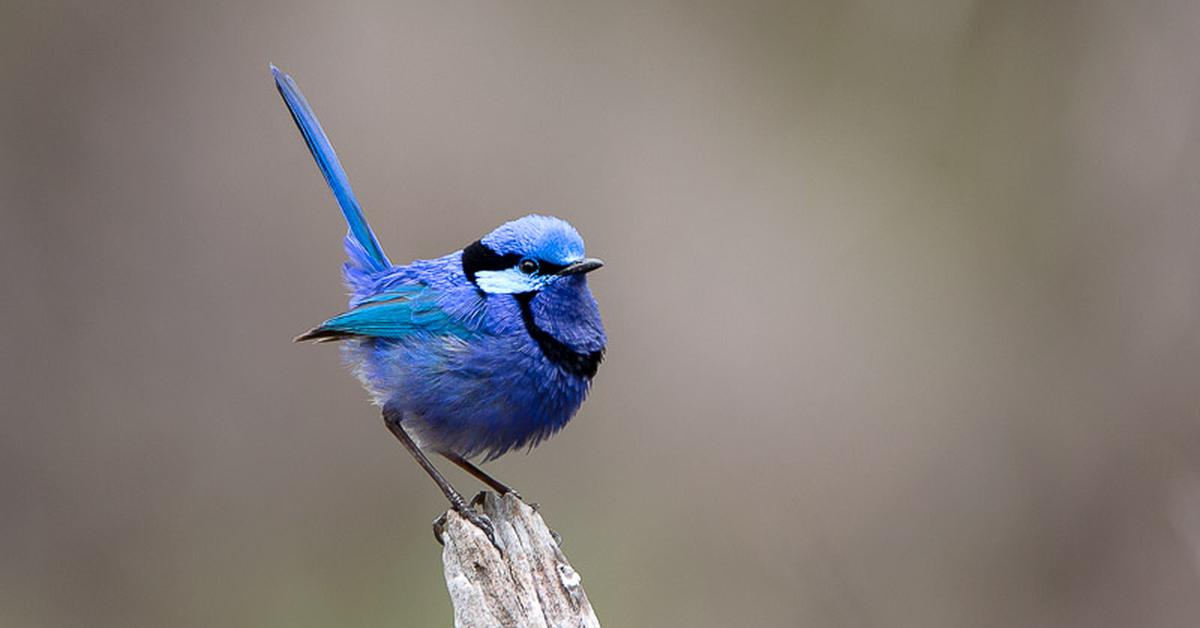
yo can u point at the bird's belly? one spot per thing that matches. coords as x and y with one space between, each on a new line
478 399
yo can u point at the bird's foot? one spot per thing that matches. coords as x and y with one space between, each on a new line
477 519
439 529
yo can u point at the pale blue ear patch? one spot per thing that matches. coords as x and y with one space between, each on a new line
509 281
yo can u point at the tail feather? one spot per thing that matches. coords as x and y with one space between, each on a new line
362 248
359 271
322 334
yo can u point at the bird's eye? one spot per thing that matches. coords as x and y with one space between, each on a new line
528 266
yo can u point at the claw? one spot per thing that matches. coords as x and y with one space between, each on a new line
481 521
439 529
477 519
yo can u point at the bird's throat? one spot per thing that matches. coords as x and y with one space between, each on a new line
577 363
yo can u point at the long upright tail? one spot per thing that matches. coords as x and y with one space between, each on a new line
361 246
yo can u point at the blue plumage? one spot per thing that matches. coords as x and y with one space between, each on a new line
471 354
461 364
361 245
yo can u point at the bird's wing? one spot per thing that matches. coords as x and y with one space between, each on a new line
399 313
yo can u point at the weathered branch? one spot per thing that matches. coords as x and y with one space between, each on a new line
530 583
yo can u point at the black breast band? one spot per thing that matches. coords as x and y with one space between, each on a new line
559 354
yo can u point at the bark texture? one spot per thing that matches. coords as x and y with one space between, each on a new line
529 583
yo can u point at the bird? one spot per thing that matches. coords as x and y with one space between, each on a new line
485 350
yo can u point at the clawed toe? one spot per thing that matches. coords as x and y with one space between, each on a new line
477 519
439 529
481 521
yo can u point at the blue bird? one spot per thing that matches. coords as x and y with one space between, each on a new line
474 353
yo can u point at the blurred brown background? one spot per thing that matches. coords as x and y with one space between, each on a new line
902 297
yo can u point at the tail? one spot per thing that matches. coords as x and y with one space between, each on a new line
362 248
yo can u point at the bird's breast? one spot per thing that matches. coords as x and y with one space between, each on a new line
576 362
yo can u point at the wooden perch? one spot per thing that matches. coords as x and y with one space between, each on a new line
529 584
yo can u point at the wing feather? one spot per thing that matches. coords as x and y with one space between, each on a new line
396 314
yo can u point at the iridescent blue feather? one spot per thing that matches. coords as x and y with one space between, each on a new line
361 246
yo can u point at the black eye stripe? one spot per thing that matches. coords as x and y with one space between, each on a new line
478 256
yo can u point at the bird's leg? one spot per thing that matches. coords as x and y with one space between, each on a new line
480 474
392 420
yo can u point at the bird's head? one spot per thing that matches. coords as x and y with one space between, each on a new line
526 255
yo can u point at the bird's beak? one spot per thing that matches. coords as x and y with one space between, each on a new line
581 267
